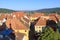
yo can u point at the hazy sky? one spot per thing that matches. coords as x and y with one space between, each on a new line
29 4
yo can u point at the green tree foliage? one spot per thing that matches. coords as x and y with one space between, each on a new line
58 23
50 10
49 34
3 10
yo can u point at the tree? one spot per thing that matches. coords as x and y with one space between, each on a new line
51 31
49 34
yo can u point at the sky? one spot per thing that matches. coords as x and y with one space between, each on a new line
29 4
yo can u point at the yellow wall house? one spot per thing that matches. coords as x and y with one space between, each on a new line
18 26
39 25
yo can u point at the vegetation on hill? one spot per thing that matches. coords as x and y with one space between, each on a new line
49 10
3 10
46 11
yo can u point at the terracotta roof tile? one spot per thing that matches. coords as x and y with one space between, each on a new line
52 18
2 16
52 14
58 17
8 23
36 15
41 22
16 24
18 14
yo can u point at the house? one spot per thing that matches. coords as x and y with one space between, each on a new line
18 26
20 15
53 14
9 16
40 24
19 23
53 18
2 19
45 17
35 15
58 17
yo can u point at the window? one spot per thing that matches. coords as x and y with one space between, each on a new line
25 31
39 27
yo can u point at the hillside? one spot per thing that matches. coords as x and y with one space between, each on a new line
49 10
3 10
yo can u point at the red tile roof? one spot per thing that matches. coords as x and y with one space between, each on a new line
41 22
9 17
16 24
36 14
52 14
2 16
53 18
8 23
58 17
18 14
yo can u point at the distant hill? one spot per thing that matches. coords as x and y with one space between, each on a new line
49 10
3 10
